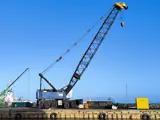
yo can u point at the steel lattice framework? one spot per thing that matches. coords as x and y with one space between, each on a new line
92 49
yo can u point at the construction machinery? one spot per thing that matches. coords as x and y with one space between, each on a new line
2 94
57 98
4 91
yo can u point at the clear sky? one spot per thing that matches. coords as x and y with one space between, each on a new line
34 33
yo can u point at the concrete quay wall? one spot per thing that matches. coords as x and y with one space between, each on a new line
30 113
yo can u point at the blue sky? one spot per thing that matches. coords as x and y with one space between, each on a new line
35 33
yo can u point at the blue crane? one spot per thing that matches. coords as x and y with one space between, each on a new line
54 98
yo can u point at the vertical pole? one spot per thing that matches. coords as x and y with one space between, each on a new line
126 91
28 85
40 84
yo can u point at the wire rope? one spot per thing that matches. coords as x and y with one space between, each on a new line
74 44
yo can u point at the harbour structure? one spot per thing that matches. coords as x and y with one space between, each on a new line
51 99
103 114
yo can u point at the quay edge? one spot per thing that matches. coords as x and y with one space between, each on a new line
33 113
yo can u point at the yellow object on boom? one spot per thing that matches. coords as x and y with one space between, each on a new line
120 6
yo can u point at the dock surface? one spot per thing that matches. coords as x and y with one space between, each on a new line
35 113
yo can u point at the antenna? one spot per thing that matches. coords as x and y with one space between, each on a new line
126 90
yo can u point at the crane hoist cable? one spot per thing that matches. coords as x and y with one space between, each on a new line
75 43
122 19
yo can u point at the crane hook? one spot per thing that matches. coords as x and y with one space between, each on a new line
122 24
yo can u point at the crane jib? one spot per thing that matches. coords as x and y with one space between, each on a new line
95 44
